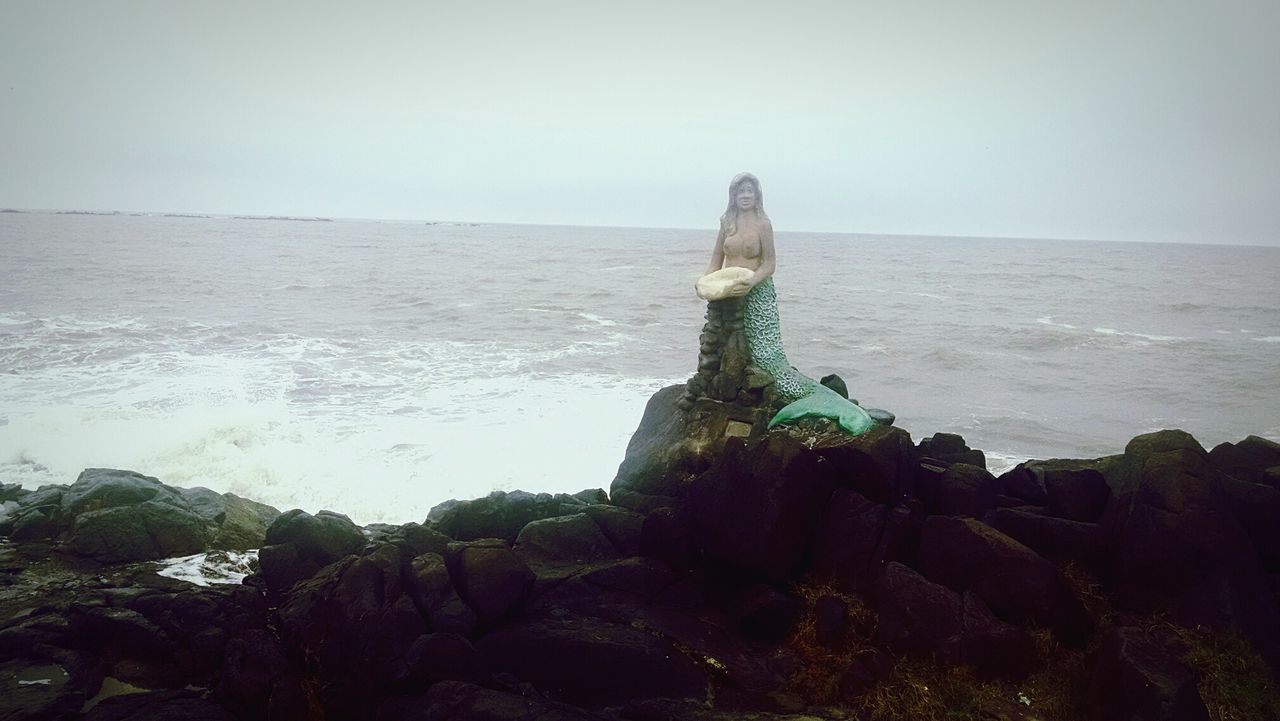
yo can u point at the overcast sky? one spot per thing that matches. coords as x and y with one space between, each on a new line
1154 120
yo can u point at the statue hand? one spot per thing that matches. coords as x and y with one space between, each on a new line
740 288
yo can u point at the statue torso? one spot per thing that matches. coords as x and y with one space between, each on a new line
743 249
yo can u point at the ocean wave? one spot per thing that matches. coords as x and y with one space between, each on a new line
597 319
1048 320
1269 339
1143 336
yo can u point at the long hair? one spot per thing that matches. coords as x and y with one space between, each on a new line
729 221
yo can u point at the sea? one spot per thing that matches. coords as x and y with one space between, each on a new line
378 368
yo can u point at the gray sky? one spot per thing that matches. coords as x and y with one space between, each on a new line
1156 120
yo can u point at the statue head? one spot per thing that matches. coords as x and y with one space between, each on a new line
745 196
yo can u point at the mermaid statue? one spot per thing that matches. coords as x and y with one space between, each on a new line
742 266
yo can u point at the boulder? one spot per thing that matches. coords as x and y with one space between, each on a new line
437 600
857 539
1249 460
116 516
468 702
767 614
574 538
501 514
1057 539
950 448
621 526
1016 582
919 616
755 509
492 579
960 489
444 657
355 620
1136 677
143 531
257 678
299 544
590 661
1074 489
673 444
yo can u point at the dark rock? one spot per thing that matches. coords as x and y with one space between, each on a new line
459 701
590 661
37 689
99 488
163 705
620 526
1177 543
1257 507
674 444
755 509
868 668
1248 460
433 593
1075 490
1057 539
835 383
256 673
858 538
12 492
667 533
355 622
951 448
830 616
1136 677
766 614
238 524
591 496
1020 482
501 514
919 616
416 539
574 538
444 657
144 531
641 502
1018 584
960 490
300 544
493 581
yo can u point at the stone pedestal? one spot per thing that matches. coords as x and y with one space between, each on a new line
725 372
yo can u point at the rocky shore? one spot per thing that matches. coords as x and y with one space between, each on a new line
731 572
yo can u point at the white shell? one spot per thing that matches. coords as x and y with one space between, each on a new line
715 286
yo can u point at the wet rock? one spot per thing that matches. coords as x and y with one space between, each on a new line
1057 539
951 448
143 531
36 689
857 539
919 616
766 614
1016 582
1135 676
468 702
1074 489
755 509
621 526
959 490
258 681
162 705
667 533
493 581
835 383
300 544
1249 460
436 598
501 514
574 538
590 661
354 621
444 657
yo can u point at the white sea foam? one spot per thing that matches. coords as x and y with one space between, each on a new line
1269 339
214 567
1143 336
1048 320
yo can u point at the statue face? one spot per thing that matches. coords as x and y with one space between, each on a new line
746 196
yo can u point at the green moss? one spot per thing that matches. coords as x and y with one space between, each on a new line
1235 683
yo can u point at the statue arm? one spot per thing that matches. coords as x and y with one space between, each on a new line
717 255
